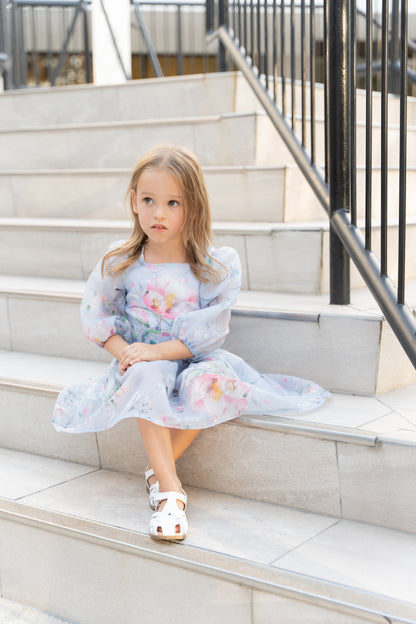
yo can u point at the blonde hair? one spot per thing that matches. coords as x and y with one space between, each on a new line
184 167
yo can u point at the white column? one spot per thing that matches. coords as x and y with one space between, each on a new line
106 64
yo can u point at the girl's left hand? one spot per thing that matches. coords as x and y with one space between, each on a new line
137 352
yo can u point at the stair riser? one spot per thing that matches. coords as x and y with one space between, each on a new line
270 261
180 97
225 141
245 139
300 203
238 195
309 348
319 101
270 148
274 195
354 481
51 559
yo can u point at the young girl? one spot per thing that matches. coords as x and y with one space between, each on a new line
160 304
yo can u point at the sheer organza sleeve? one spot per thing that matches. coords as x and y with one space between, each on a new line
204 330
103 306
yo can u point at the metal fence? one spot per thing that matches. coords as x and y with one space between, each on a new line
48 42
278 55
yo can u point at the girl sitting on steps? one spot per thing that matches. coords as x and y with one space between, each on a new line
160 304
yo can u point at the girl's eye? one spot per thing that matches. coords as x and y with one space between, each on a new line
173 203
147 200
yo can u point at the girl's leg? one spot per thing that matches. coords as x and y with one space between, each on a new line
181 439
158 445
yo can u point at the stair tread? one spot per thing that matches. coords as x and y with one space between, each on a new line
390 417
371 567
12 612
362 302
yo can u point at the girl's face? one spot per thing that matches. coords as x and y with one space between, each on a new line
159 204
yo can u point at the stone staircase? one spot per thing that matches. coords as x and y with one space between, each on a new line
292 519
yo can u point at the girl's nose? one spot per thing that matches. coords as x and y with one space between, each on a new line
159 211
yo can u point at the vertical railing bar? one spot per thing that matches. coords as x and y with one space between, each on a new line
49 43
312 78
353 109
292 62
303 71
233 20
258 52
86 45
14 47
384 138
240 23
245 27
24 56
169 58
35 54
283 55
339 148
393 55
223 21
326 83
275 72
403 153
179 54
369 125
266 44
252 31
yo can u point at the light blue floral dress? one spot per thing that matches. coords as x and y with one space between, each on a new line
153 303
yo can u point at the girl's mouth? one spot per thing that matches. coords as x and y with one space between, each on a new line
158 226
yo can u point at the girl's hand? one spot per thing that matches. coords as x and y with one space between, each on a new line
137 352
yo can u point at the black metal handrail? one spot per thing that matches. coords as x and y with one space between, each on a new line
255 36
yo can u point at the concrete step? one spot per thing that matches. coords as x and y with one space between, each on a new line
67 527
355 450
237 193
178 96
251 193
393 103
12 612
299 335
202 94
221 139
269 252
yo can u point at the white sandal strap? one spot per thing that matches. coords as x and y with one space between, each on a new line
172 497
149 472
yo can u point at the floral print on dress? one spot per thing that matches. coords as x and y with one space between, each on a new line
157 302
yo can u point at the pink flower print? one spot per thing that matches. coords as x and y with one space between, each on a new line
168 299
219 396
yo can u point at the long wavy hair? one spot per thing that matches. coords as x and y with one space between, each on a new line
196 234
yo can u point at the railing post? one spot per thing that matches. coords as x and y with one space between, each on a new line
223 21
394 50
339 76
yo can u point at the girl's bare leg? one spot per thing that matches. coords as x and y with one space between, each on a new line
158 445
181 439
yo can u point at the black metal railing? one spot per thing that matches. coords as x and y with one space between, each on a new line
47 42
274 44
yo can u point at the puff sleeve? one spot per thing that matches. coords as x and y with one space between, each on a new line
205 329
103 306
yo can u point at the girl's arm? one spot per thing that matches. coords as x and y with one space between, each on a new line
129 354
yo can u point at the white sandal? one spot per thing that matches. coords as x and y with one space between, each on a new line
152 490
163 523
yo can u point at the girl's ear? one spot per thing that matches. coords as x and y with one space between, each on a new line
133 199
